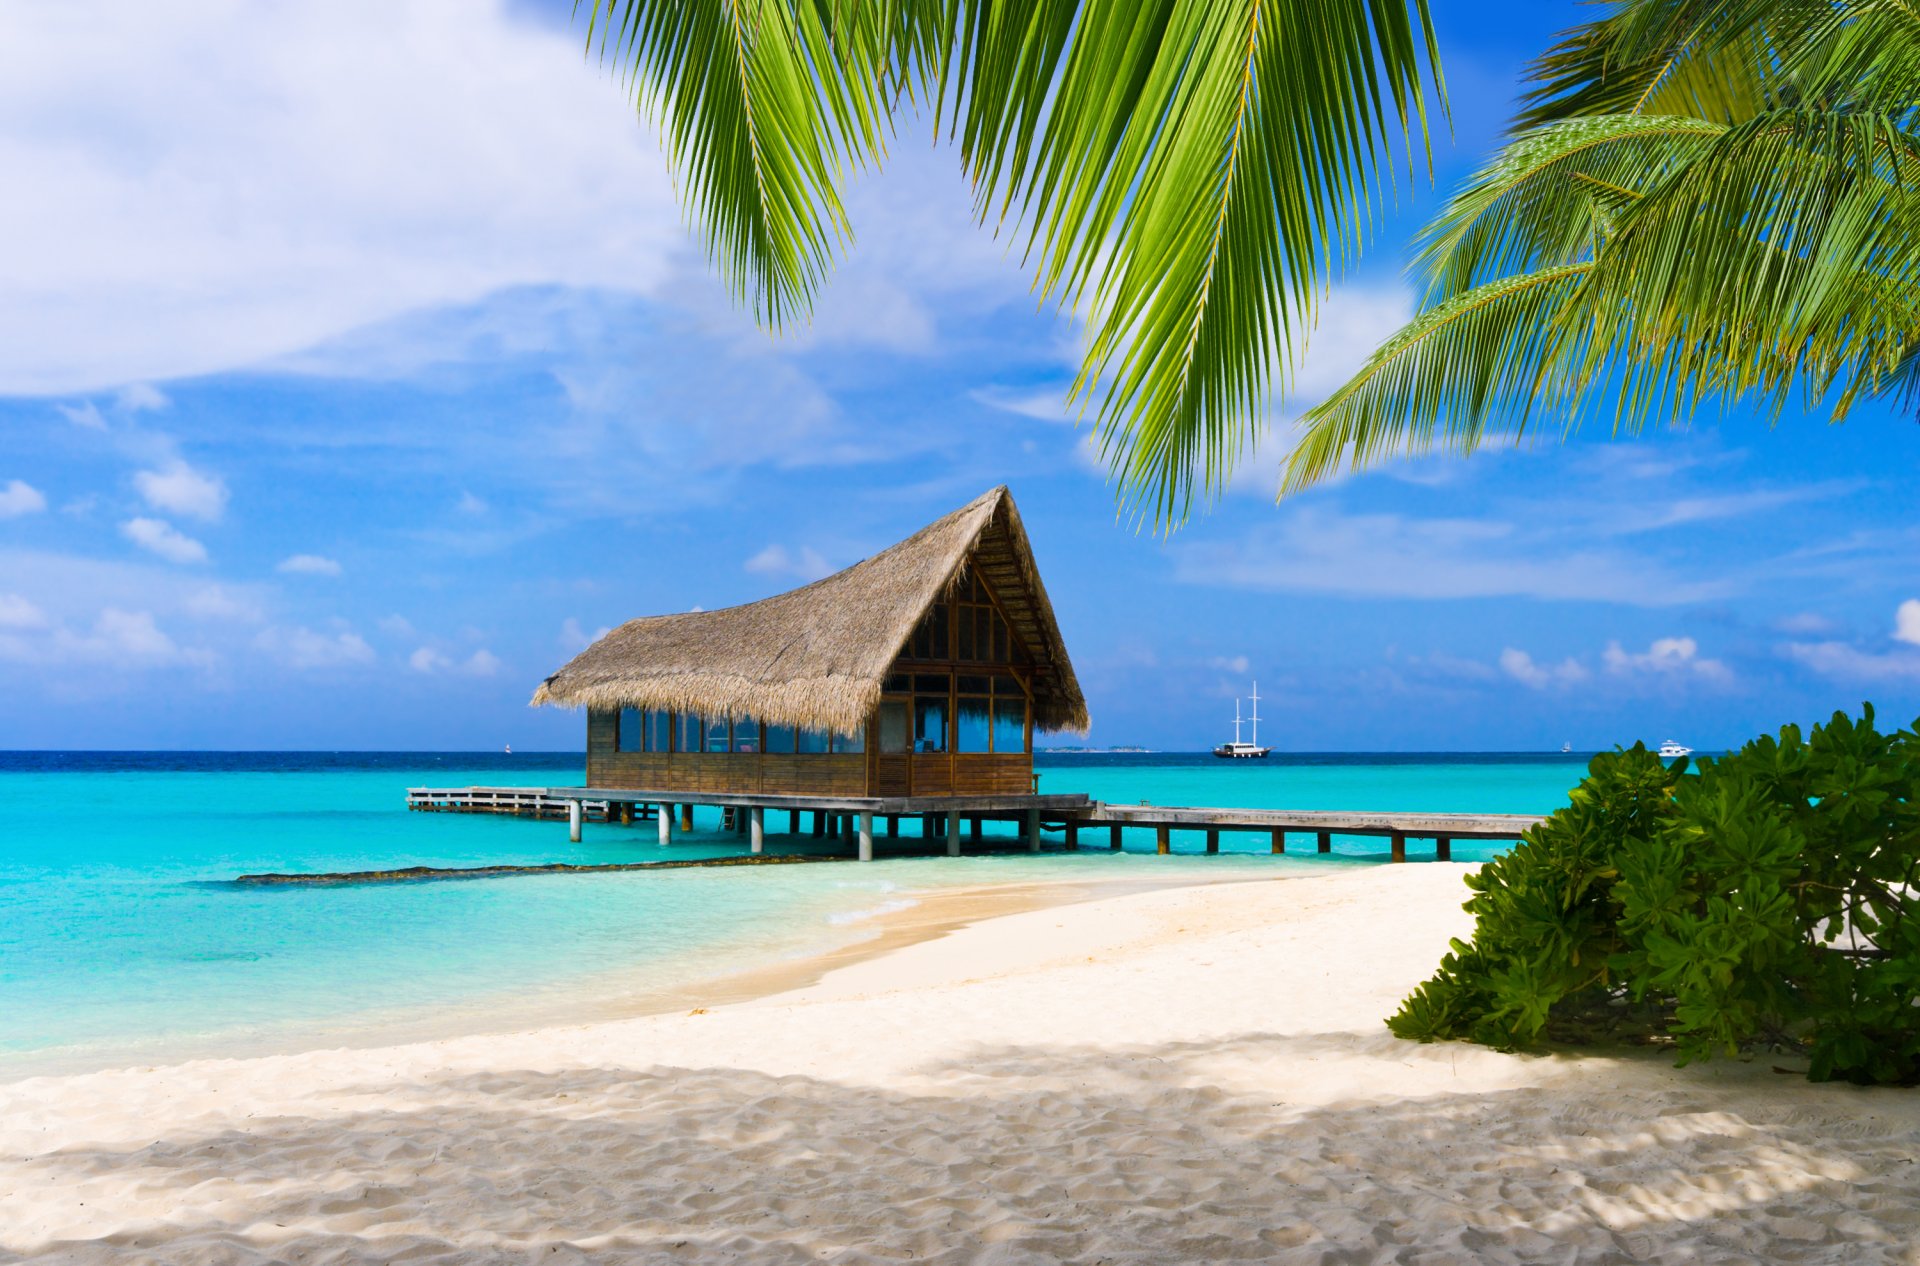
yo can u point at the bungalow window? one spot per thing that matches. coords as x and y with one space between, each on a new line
1009 715
806 742
644 730
746 735
849 744
929 723
691 732
973 722
779 739
715 737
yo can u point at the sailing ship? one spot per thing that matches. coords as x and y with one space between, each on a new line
1237 750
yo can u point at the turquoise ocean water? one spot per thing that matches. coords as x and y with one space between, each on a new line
121 940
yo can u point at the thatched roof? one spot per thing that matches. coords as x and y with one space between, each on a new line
816 656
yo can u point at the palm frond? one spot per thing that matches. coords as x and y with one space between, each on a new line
1482 363
760 108
1549 195
1190 171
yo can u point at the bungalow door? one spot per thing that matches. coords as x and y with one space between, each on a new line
893 748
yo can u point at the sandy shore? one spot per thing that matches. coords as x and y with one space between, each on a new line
1190 1075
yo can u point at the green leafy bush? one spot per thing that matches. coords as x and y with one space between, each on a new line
1765 898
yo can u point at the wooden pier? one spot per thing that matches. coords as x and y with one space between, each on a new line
519 802
854 819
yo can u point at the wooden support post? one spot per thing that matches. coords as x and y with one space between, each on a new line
819 823
1113 836
1162 844
793 821
626 813
757 822
1443 848
1073 833
740 816
575 812
893 826
953 833
1399 847
663 817
1325 839
973 828
866 837
1279 840
1213 839
686 817
1033 830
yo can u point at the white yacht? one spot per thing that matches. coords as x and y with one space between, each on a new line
1671 749
1237 750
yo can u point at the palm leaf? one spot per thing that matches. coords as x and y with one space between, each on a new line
1481 363
1550 195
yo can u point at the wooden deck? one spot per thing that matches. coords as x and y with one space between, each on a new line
520 802
854 817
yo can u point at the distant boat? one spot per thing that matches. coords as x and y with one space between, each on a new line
509 749
1566 747
1671 749
1237 750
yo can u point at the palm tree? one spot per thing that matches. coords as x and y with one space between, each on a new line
1704 202
1188 173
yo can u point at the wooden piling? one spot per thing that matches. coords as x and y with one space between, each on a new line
1279 840
1113 836
575 812
952 827
1033 830
1162 844
866 837
1073 833
663 815
1213 839
1443 848
686 817
1399 846
1325 840
757 823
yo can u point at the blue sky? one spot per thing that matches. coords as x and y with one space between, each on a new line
356 368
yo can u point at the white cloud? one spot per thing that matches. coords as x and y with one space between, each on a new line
574 639
140 397
1850 663
482 663
1667 657
1906 622
309 565
1230 663
470 504
1349 325
217 602
85 414
1320 550
119 639
218 182
164 539
1520 666
180 489
17 613
301 647
395 625
20 497
1803 622
777 560
1044 404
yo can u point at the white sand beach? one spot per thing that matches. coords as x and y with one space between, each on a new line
1189 1075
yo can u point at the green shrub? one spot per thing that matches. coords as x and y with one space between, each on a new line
1767 898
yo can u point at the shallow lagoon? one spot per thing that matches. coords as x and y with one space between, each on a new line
121 941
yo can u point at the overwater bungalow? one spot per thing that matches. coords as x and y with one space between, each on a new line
908 683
